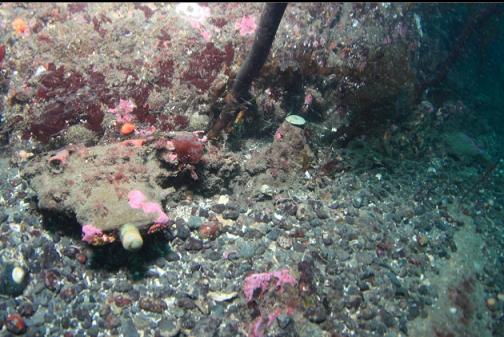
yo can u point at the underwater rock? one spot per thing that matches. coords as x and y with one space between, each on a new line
104 188
288 156
113 191
100 186
463 147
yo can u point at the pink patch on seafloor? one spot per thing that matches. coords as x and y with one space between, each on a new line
89 232
162 218
123 110
207 35
136 199
154 207
261 281
308 99
278 135
272 316
59 158
172 157
257 329
246 25
151 207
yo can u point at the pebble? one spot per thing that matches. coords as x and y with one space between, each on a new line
172 256
491 303
188 321
247 250
327 241
273 234
3 216
93 331
128 328
206 326
186 303
284 242
68 293
167 328
152 304
422 240
112 321
209 230
123 286
50 256
284 321
52 280
26 309
193 244
195 222
218 208
15 324
231 214
82 313
316 314
354 302
387 318
36 320
367 314
311 329
122 301
182 231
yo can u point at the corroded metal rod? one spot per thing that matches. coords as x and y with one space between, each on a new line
264 36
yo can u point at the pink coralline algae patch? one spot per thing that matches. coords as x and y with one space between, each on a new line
123 111
89 232
246 25
278 135
308 99
261 281
138 200
206 35
154 207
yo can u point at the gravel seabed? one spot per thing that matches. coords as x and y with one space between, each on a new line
377 252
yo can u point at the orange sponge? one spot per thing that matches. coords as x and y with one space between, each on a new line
127 128
20 26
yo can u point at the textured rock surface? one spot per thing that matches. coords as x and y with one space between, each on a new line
94 183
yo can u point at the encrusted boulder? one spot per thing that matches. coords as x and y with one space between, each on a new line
117 191
104 187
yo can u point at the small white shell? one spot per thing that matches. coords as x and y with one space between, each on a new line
18 274
295 120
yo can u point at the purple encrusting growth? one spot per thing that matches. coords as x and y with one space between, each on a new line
262 280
